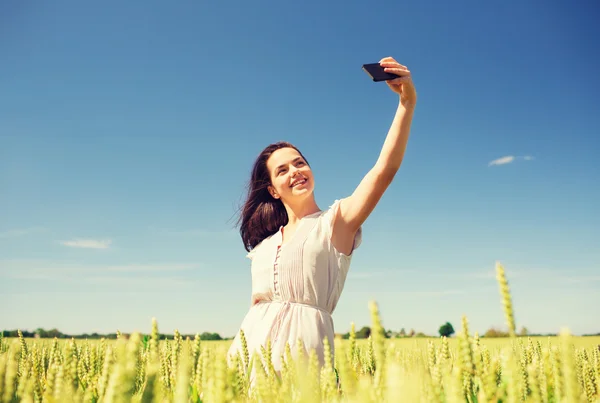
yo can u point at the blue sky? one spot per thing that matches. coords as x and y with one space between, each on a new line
128 129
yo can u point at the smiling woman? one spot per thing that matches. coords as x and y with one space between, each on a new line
300 254
264 212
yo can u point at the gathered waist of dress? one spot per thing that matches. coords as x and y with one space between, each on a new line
294 303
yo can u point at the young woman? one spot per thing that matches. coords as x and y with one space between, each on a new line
301 255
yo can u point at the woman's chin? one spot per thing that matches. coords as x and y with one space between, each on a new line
302 191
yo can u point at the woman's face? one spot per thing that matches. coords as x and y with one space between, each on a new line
291 177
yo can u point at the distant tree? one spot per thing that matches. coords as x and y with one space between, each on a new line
524 331
493 332
446 330
40 332
402 332
363 333
54 333
411 333
210 336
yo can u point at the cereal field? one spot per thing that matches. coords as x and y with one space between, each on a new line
462 369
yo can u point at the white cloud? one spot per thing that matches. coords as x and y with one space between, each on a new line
412 294
74 272
87 277
360 275
134 283
88 243
553 276
502 161
151 267
439 293
13 233
193 232
377 273
582 279
508 159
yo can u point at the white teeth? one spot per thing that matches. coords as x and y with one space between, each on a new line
298 182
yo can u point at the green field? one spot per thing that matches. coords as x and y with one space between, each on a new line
464 368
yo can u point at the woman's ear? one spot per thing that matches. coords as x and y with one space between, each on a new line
273 192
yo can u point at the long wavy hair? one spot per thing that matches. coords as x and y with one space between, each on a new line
261 214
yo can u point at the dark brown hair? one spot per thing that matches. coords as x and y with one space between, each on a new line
262 215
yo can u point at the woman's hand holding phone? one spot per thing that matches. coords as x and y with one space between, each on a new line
403 85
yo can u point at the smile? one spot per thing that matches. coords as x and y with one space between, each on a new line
297 182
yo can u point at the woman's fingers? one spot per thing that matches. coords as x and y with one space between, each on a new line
390 62
402 85
388 59
398 71
397 67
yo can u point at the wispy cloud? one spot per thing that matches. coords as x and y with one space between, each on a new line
360 275
547 275
432 293
512 273
17 232
114 283
134 283
502 161
410 294
508 159
193 232
152 267
87 243
69 276
32 269
581 279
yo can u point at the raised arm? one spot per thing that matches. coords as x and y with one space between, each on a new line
355 209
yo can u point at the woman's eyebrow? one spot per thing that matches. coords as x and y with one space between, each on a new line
284 164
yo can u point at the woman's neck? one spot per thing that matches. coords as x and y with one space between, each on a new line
296 213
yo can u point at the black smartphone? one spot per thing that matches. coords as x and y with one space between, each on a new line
376 72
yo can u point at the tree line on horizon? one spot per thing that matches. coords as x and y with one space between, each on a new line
446 330
55 333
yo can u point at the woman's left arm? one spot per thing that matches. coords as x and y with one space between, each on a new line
355 209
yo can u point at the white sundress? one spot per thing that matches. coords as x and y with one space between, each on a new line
295 289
